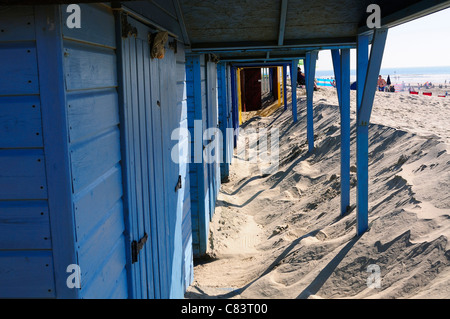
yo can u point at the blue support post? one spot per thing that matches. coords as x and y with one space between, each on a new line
368 70
284 85
234 104
345 129
223 118
341 64
336 58
294 64
310 70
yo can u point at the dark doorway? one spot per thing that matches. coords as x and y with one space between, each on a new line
251 89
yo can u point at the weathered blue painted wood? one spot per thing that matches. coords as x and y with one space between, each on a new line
91 112
195 70
211 142
133 60
158 183
373 69
362 140
141 165
98 65
90 75
173 168
345 129
95 249
310 67
235 110
362 61
184 197
54 123
293 66
223 120
285 86
23 174
86 163
91 15
27 274
95 201
121 288
364 108
24 225
23 73
17 24
124 69
20 122
230 131
112 268
336 57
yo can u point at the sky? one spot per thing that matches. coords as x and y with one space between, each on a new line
421 42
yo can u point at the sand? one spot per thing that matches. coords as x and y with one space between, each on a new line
281 235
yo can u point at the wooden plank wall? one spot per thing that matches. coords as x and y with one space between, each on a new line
94 146
26 262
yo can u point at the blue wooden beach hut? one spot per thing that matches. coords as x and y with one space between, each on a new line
101 192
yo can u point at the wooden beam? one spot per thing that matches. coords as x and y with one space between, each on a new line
307 44
373 69
180 18
409 13
282 28
272 59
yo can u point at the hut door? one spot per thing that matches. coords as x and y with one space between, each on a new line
252 98
143 168
213 123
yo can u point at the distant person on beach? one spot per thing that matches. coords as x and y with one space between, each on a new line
301 80
300 77
381 83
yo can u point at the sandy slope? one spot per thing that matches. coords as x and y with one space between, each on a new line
281 236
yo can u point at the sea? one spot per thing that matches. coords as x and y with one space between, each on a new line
409 76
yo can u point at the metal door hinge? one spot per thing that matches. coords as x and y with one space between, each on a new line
179 185
136 247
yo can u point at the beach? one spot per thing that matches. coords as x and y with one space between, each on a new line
281 235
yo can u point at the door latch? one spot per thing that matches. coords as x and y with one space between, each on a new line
136 247
179 185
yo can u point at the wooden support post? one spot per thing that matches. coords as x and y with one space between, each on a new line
284 86
234 105
341 64
223 118
368 70
345 129
294 64
336 58
310 70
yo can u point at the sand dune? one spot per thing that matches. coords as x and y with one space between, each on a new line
281 236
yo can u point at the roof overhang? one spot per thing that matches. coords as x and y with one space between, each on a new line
287 29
